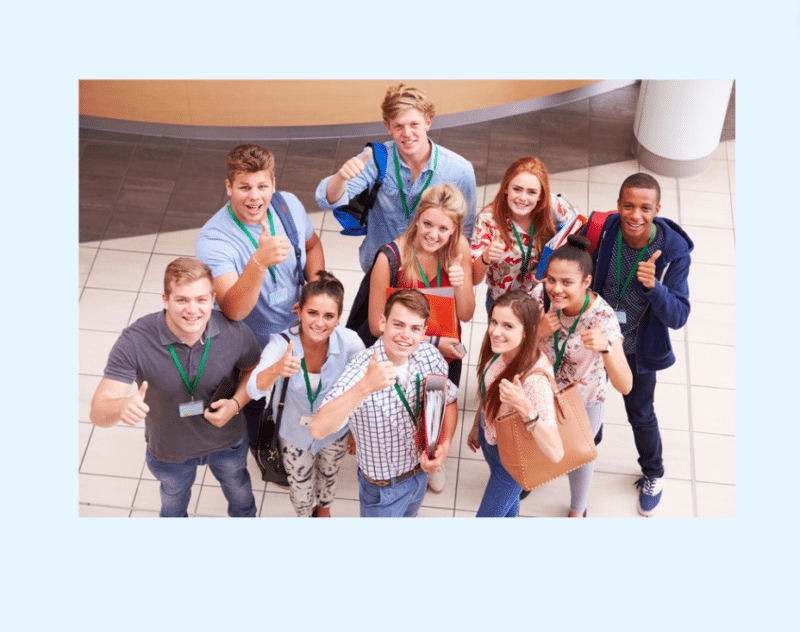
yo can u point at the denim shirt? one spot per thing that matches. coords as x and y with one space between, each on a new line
342 345
387 219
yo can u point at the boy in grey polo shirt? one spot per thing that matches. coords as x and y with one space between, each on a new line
178 358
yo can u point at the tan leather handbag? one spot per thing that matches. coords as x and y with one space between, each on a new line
524 459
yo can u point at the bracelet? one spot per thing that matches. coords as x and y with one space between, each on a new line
260 267
487 264
436 344
431 340
532 422
238 406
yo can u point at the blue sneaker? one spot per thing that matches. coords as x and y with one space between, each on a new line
650 489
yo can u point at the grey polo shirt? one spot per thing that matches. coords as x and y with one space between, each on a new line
141 353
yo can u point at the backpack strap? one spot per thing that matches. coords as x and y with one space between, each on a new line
379 156
284 387
291 231
393 255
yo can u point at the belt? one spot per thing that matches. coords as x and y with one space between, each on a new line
397 479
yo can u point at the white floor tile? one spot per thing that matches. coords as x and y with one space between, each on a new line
712 323
713 410
115 451
84 432
700 208
712 283
105 310
715 458
86 258
117 270
712 245
106 490
614 173
93 511
94 347
341 251
716 501
713 365
179 243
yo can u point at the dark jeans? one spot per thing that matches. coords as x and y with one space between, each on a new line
642 418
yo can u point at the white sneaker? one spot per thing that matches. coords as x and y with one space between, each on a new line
437 480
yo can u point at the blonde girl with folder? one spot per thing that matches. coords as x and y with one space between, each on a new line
433 253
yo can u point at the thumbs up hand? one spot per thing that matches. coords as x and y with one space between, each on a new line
646 272
593 339
495 250
456 272
380 374
134 409
288 365
354 166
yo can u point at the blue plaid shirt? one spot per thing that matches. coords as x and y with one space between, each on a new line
383 429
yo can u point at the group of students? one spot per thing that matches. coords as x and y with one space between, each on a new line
595 317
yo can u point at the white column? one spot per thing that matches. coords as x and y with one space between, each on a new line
678 125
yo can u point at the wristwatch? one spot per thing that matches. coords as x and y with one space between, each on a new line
607 349
533 417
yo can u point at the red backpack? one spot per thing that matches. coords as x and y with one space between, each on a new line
595 227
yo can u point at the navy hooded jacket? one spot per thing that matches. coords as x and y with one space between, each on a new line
668 302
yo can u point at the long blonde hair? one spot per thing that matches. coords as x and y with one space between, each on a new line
451 202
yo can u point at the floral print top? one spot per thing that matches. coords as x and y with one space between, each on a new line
505 275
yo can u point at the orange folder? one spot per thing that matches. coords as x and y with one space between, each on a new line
443 320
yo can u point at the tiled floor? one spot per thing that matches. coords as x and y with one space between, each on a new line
143 201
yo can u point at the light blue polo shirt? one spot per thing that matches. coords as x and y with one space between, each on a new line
224 248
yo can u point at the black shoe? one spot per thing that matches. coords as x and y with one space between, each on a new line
524 494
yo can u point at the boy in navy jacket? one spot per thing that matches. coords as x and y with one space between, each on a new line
641 267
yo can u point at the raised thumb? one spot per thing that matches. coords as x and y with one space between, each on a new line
365 158
655 256
142 389
289 348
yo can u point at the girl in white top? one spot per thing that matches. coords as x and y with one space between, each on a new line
581 336
312 360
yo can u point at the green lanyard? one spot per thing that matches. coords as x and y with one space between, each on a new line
400 181
438 272
560 353
252 239
635 265
526 258
311 399
483 380
199 369
405 402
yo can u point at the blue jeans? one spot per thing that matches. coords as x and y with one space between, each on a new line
398 500
229 466
642 418
501 498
